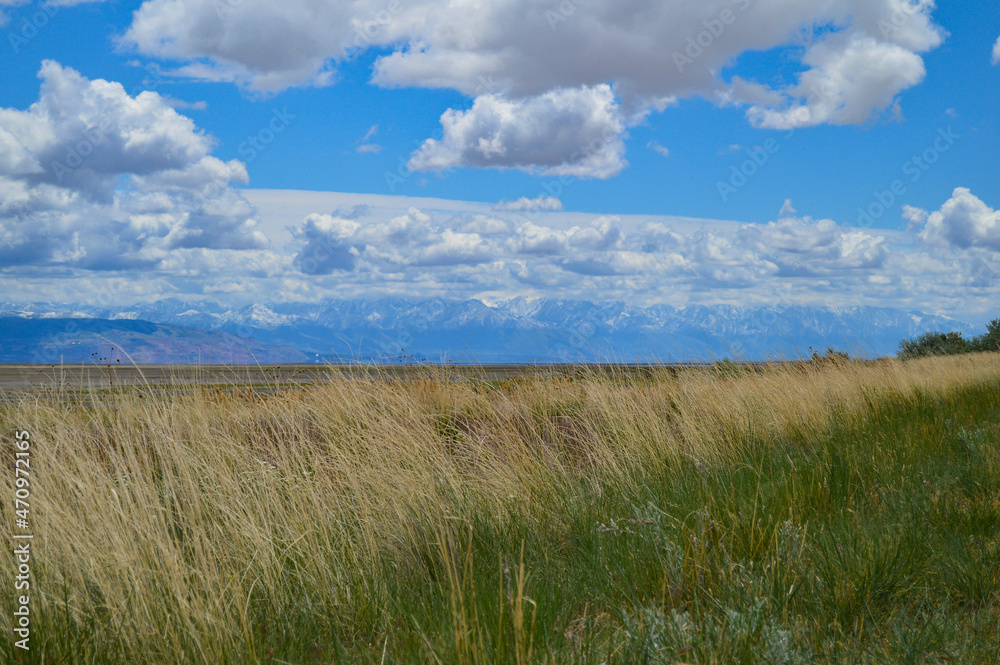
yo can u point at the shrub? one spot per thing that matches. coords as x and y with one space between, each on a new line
990 341
935 344
831 356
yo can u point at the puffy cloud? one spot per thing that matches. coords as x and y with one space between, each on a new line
524 204
996 52
964 221
602 234
518 45
95 178
657 236
533 239
15 158
598 257
413 228
574 132
915 217
327 245
352 212
801 247
361 251
719 260
613 264
455 249
651 50
265 45
484 225
544 68
850 75
84 134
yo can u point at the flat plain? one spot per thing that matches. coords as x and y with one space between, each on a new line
827 511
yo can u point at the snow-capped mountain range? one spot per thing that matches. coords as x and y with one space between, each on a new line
527 329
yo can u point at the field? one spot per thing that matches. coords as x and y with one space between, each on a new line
817 512
92 377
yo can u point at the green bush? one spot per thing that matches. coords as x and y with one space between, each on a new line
991 340
935 344
949 344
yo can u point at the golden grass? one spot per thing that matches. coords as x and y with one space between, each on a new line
159 522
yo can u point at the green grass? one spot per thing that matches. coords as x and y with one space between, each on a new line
871 543
872 539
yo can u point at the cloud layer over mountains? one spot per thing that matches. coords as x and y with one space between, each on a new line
94 180
100 186
654 261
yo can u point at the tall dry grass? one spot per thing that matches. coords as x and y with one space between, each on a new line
195 527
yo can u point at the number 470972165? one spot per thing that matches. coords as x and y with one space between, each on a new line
22 464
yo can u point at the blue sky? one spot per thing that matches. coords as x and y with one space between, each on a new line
614 111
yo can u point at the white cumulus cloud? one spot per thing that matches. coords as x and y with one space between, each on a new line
326 245
524 204
329 244
597 257
542 70
964 221
576 132
804 247
845 83
94 178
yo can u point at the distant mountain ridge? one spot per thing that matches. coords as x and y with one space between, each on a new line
520 329
51 340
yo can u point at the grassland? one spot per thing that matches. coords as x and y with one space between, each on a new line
822 512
